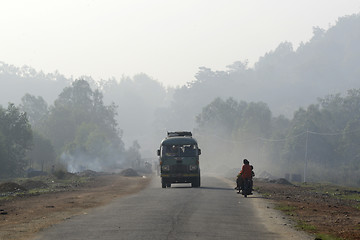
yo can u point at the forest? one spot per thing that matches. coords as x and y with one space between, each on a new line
320 143
78 131
293 112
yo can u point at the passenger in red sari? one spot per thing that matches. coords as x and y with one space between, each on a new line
245 173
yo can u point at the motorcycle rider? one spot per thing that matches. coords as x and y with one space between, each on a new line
245 173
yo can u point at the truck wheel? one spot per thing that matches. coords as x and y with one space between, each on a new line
163 185
168 185
196 182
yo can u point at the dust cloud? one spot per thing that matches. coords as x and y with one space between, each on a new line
225 157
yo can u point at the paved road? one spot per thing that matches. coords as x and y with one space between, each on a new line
213 211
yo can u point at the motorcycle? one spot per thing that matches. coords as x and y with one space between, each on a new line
244 186
247 189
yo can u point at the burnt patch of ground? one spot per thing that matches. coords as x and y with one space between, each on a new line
31 184
11 187
129 172
320 209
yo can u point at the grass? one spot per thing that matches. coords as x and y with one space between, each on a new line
340 192
349 195
302 225
264 194
327 237
37 191
305 226
7 198
288 210
31 192
54 185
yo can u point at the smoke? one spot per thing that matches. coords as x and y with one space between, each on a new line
78 161
110 159
224 154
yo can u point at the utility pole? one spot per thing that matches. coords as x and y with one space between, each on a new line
306 150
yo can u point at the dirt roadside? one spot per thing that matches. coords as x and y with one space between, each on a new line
321 211
326 211
22 217
273 220
307 211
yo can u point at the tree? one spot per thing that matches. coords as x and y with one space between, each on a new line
83 128
229 129
133 156
137 99
91 149
42 153
76 105
256 120
36 109
221 117
15 140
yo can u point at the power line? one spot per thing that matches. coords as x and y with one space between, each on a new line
231 141
334 134
282 139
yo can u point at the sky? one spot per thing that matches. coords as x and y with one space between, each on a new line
166 39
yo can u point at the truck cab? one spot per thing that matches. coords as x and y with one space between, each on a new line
179 159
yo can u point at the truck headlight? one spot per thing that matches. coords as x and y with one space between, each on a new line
165 167
193 167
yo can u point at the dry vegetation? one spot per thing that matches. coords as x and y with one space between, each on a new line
27 206
329 212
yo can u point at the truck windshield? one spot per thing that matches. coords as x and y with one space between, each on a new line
187 150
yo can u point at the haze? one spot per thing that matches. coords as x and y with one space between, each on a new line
96 85
168 40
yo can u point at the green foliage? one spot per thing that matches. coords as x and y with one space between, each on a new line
305 226
15 140
223 114
332 135
256 120
76 105
78 129
82 129
288 210
327 237
247 119
91 149
236 129
141 94
42 153
326 135
36 109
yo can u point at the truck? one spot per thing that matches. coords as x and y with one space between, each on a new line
179 159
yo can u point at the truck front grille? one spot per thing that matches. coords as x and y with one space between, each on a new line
178 168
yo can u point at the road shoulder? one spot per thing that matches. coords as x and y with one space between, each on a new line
273 220
27 216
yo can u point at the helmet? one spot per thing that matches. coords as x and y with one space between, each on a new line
246 161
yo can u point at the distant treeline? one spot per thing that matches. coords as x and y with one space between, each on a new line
321 141
77 132
284 85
